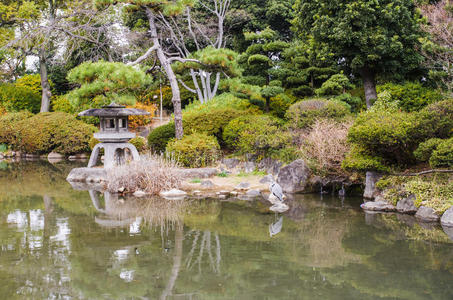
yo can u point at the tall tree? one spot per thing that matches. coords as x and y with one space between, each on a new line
43 26
370 36
260 59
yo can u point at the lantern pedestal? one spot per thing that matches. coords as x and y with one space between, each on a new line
115 154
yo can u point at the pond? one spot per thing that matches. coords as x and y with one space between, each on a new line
61 243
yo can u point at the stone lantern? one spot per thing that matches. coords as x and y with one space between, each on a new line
114 134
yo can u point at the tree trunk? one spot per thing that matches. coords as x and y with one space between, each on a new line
45 86
369 85
268 102
165 63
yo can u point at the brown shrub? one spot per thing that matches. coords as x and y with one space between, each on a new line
324 146
151 174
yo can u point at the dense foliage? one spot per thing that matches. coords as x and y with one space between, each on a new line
194 150
45 132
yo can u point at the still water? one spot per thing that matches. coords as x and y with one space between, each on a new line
60 243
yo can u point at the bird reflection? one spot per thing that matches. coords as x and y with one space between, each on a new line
276 227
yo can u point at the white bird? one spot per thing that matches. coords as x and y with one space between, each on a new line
276 227
276 193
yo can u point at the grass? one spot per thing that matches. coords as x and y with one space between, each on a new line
254 173
196 180
222 174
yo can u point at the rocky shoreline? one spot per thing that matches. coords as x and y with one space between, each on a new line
377 203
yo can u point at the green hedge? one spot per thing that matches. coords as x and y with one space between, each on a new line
139 142
57 131
304 113
160 136
194 150
426 148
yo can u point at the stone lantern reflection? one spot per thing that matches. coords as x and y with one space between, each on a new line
114 134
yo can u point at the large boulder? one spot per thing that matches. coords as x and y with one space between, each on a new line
270 165
198 172
378 206
447 218
406 205
426 214
370 184
89 175
294 178
230 163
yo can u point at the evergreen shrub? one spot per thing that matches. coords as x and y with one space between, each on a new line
16 98
426 148
443 155
302 114
411 96
259 135
160 136
8 126
57 131
194 150
139 142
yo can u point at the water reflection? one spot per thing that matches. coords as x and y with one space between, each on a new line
60 243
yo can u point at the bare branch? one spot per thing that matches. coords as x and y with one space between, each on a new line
144 56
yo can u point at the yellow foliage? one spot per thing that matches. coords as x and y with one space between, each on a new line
137 121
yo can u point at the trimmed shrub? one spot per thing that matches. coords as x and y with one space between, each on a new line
139 142
259 135
411 96
358 159
8 126
356 104
14 98
304 113
425 149
335 85
93 142
280 104
210 122
195 150
443 155
57 131
391 136
160 136
437 119
61 103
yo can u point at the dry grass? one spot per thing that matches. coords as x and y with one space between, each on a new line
151 174
324 146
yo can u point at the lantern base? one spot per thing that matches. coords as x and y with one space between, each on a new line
115 154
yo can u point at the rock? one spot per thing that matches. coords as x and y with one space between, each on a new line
196 192
230 163
207 184
223 192
89 175
253 193
270 165
279 207
222 196
267 179
407 205
447 217
139 193
293 177
234 193
378 206
242 186
426 214
121 189
173 193
29 156
370 184
198 172
249 167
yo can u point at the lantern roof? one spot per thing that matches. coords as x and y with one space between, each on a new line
112 110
